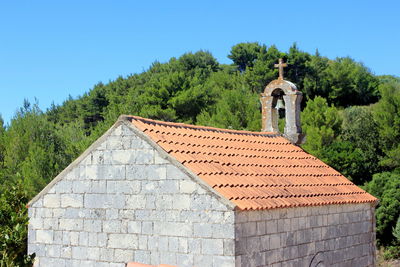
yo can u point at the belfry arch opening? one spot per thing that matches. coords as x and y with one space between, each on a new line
278 107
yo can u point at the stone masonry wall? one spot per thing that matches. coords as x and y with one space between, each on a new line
335 235
125 203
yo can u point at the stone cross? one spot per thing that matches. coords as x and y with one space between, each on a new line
280 66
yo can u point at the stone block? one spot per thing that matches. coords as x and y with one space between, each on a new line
110 172
254 216
103 201
123 187
150 187
36 223
272 226
194 246
229 247
153 243
135 202
181 202
164 202
71 224
112 226
124 255
143 242
187 186
83 239
203 260
57 237
264 243
147 228
79 253
44 261
155 172
212 246
53 251
134 227
223 231
123 241
66 252
275 241
99 187
123 157
253 244
50 224
51 200
241 217
101 157
173 228
63 186
173 244
183 245
44 236
71 200
92 239
81 187
114 143
93 254
223 261
168 258
249 229
112 214
184 259
107 254
169 186
144 156
102 239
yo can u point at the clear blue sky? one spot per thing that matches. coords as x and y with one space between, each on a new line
52 49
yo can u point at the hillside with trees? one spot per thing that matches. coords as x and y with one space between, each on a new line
351 118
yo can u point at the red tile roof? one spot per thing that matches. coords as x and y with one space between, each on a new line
254 170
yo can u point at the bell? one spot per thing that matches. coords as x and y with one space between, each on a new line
280 104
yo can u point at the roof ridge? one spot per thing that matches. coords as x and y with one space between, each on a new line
205 128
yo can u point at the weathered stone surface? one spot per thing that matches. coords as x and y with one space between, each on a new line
296 236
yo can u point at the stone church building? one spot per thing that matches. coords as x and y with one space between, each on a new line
156 192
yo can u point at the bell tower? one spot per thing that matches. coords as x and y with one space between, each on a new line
282 95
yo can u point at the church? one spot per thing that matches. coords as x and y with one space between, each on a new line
154 192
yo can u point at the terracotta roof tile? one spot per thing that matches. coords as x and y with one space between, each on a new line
254 170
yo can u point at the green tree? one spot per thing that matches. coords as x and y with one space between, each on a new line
297 65
34 149
237 109
321 123
315 80
263 71
386 187
351 83
244 55
387 115
2 131
14 227
359 130
396 231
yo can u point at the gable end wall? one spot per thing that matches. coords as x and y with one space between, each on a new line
125 202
